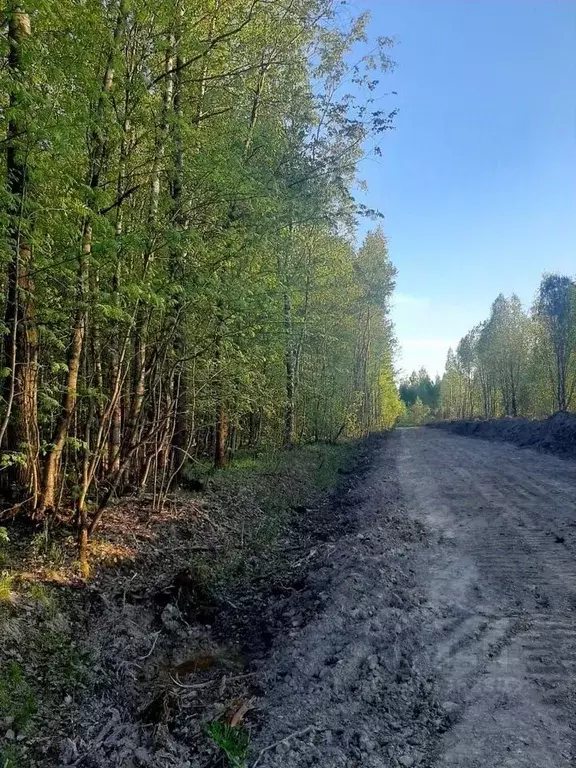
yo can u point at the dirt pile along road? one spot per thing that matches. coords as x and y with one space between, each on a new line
556 434
448 633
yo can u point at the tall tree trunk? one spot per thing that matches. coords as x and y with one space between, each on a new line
256 102
289 416
141 332
178 257
47 500
115 440
221 430
97 152
19 430
221 436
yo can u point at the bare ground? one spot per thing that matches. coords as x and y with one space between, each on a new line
422 615
448 633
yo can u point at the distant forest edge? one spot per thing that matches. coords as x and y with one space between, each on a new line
178 242
515 363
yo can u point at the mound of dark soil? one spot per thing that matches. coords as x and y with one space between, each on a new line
556 434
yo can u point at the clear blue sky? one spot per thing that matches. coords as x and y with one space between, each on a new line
478 180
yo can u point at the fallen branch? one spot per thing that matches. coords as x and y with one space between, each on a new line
303 732
151 651
208 683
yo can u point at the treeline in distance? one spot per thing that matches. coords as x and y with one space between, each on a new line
515 363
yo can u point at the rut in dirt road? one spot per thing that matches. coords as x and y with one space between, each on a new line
446 637
502 596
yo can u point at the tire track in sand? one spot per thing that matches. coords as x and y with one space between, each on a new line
502 592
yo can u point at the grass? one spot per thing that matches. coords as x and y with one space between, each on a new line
285 479
42 595
40 664
49 551
262 500
6 581
11 756
233 742
17 700
316 465
4 556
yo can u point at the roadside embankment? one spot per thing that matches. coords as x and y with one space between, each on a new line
556 434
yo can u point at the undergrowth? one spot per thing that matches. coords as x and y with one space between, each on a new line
263 499
41 667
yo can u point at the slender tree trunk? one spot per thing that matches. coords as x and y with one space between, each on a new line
115 441
221 430
97 151
221 437
561 366
116 417
289 415
19 430
141 332
179 442
48 494
256 102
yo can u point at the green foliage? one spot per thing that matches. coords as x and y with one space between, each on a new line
17 699
415 415
556 314
48 550
40 665
6 581
12 459
42 595
232 741
260 495
11 756
198 289
419 386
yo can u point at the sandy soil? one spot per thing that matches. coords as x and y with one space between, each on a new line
447 636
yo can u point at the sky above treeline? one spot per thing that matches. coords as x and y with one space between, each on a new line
478 180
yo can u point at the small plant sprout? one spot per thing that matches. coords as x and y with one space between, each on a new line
232 741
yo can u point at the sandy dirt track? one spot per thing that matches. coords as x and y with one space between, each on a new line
501 594
447 637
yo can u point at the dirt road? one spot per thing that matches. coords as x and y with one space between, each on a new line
502 595
447 636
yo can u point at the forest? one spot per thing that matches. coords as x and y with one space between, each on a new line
186 273
516 363
178 246
207 548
